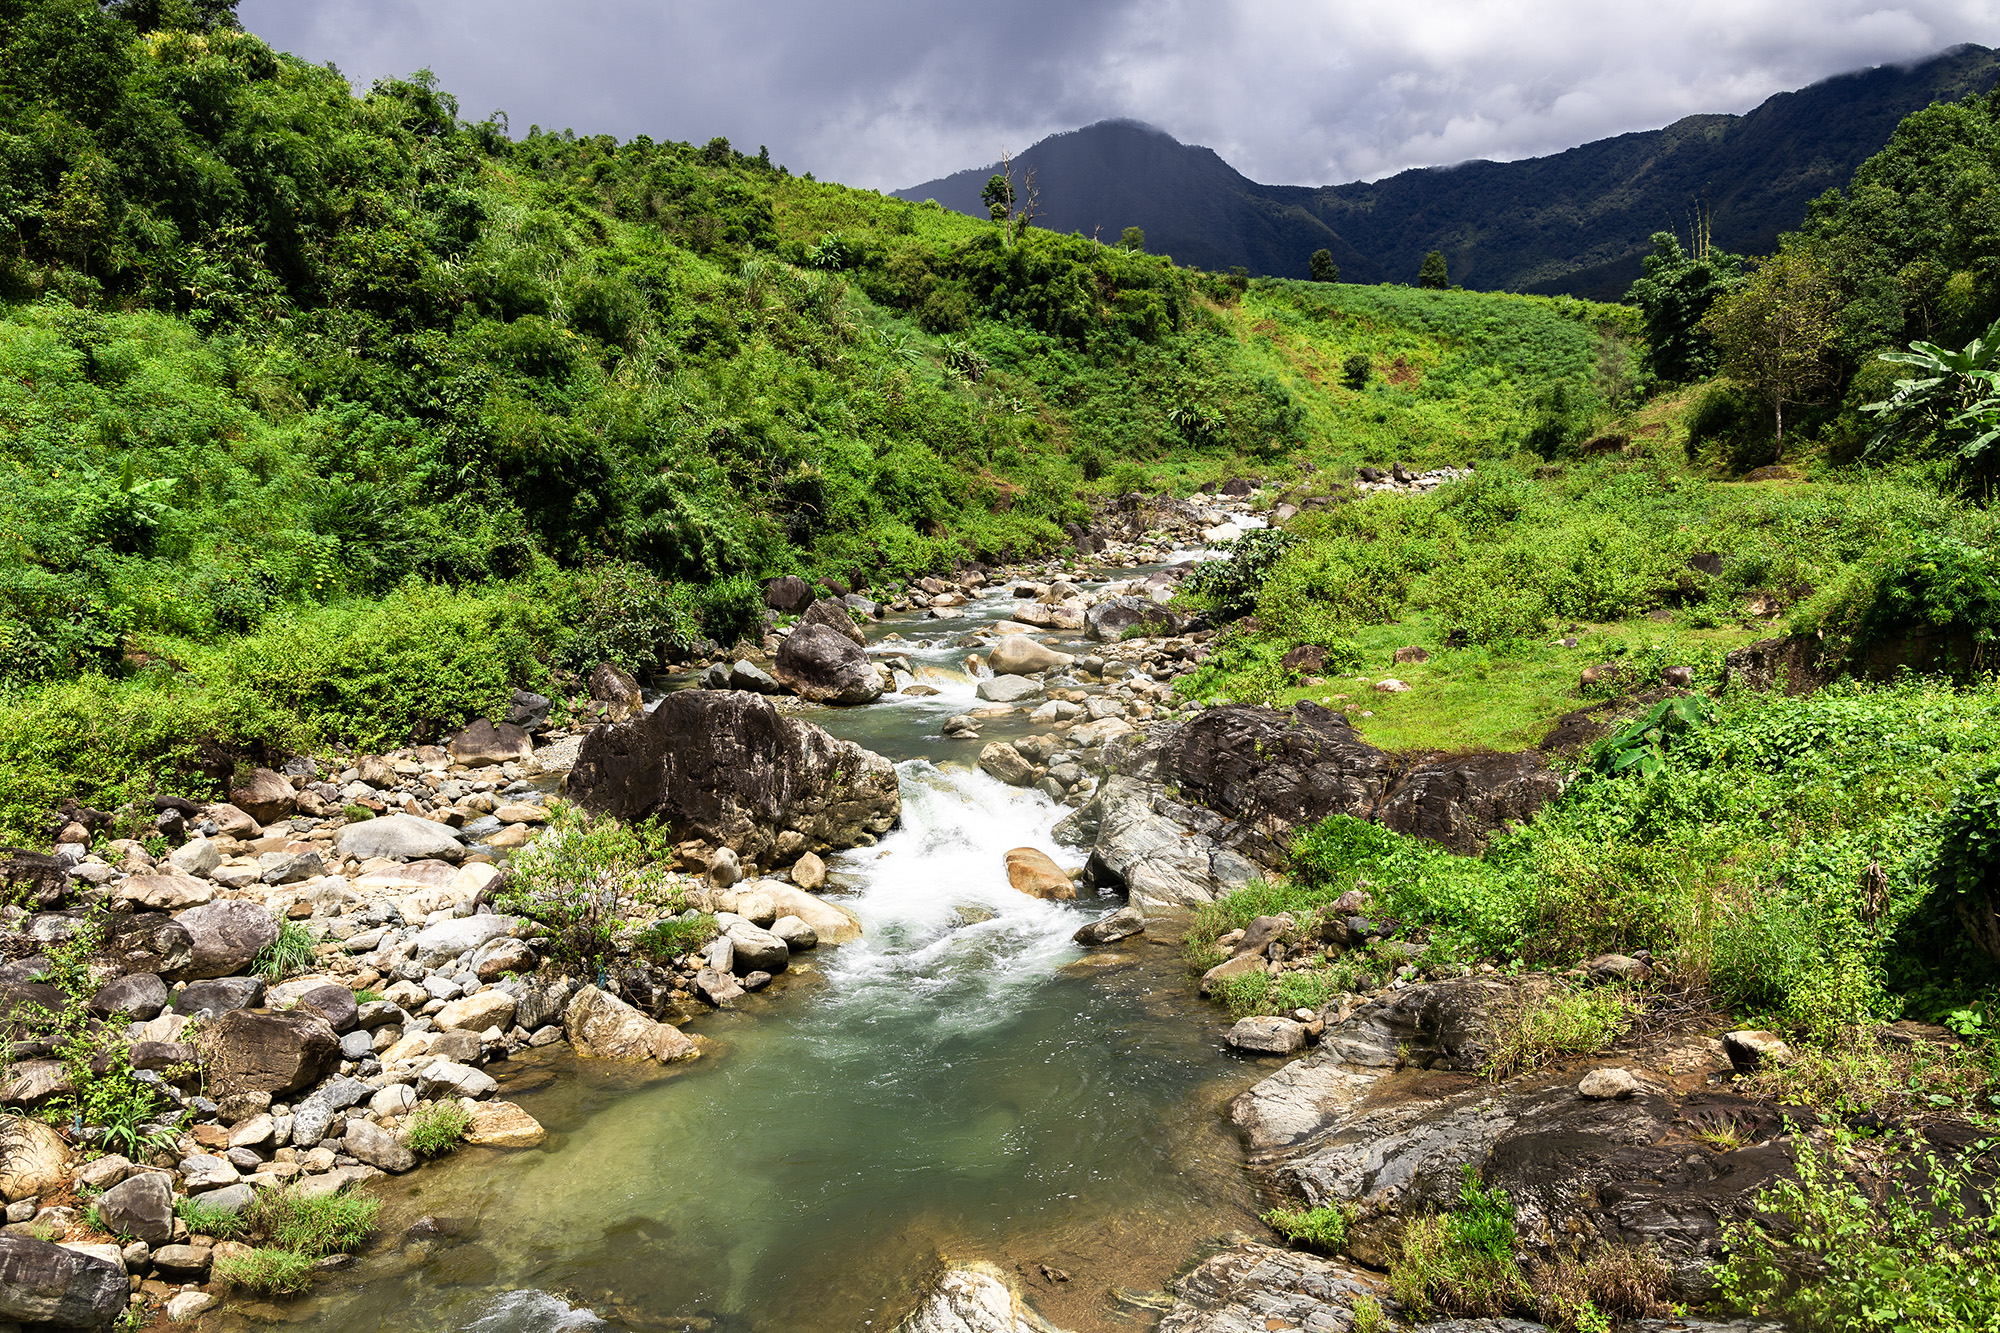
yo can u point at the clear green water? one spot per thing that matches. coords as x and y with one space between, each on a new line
962 1083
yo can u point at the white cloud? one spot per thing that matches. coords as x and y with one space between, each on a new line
887 93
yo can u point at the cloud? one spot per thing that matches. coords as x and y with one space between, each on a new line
887 93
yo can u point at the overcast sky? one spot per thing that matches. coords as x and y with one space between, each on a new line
890 93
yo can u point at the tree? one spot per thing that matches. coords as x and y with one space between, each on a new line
1676 290
998 196
1323 267
1434 274
1776 333
1132 238
1355 370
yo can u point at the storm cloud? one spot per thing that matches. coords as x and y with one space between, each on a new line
886 93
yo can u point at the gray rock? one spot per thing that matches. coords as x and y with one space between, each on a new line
756 949
357 1045
399 838
1008 689
42 1283
820 663
197 856
396 1099
446 1078
1250 1288
377 1147
748 676
717 987
217 997
181 1263
1267 1035
976 1298
795 933
1004 763
1111 927
1750 1050
377 1013
231 1199
539 1003
483 743
1605 1085
140 1206
295 868
333 1003
140 995
225 937
1108 621
1160 867
448 939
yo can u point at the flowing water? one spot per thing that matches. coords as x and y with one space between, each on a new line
962 1083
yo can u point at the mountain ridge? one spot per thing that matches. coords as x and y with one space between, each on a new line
1578 221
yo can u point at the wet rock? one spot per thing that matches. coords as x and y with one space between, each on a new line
717 987
1019 655
1033 872
34 1159
1252 1288
1008 689
756 949
274 1053
225 937
1267 1035
825 666
503 1125
796 933
606 1027
484 743
141 1206
729 769
189 1305
618 690
47 1284
1004 763
265 796
1112 927
973 1299
399 838
137 995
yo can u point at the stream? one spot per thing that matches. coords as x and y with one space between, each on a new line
964 1082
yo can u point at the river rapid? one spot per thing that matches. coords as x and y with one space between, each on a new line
962 1083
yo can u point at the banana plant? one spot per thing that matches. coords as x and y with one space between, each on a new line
1955 396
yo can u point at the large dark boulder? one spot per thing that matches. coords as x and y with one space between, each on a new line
227 937
146 942
482 743
1273 771
274 1053
265 796
138 995
219 996
727 767
42 1283
789 594
826 666
32 879
833 614
1112 620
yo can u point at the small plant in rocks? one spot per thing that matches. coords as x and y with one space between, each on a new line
436 1129
288 955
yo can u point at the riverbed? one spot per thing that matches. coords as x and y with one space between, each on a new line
962 1083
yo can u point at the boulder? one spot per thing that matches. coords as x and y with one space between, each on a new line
1004 763
141 1206
1249 1288
1604 1085
538 1003
530 711
1112 927
1008 689
833 615
808 872
725 867
164 893
618 690
1267 1035
448 1078
399 838
265 796
34 1159
500 958
788 594
42 1283
1035 873
232 822
1160 867
375 1146
503 1125
749 676
606 1027
137 995
976 1298
1750 1050
1130 617
448 939
477 1012
146 942
756 949
219 996
181 1263
29 1083
1272 771
274 1053
729 769
825 666
795 933
225 937
1019 655
832 923
33 879
333 1003
483 743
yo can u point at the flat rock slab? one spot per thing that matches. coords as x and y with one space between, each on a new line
1253 1288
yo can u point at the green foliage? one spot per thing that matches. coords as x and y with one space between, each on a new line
1460 1263
570 881
1834 1248
436 1129
312 1225
1230 586
269 1272
1356 370
288 955
1546 1025
1673 296
205 1219
1951 404
667 939
1323 1228
1322 267
1640 746
1433 274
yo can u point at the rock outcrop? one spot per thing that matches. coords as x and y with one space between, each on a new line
42 1283
1272 771
1161 866
975 1298
1250 1288
825 666
728 768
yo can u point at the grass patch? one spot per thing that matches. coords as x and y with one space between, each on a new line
1546 1026
313 1226
206 1220
269 1272
436 1129
288 955
1323 1229
1460 1263
667 939
1858 1073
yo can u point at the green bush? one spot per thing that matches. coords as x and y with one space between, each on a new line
269 1272
667 940
311 1225
288 955
1230 586
436 1129
1323 1229
1461 1263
